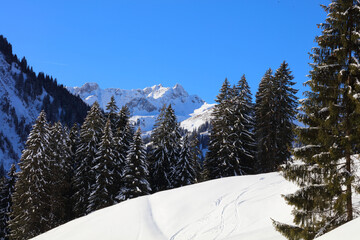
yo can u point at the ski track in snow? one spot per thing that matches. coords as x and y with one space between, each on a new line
226 207
154 223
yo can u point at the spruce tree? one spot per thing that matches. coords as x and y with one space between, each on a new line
330 136
90 136
136 171
7 190
214 164
275 111
243 126
73 142
122 140
196 157
61 173
101 195
31 189
264 124
231 143
166 145
285 113
112 110
185 173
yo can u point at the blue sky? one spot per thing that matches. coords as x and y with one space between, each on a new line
134 44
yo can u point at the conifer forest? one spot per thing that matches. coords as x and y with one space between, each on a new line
75 164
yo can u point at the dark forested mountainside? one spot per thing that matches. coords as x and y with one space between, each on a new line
23 94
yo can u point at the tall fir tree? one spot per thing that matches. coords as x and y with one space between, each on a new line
275 111
112 113
31 189
186 168
330 136
264 123
90 137
166 145
73 141
136 172
231 146
59 164
196 155
122 140
101 195
285 113
214 164
243 126
7 190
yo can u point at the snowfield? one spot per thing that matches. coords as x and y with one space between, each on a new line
228 208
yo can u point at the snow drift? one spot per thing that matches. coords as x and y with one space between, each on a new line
228 208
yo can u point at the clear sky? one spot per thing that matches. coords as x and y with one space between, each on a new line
134 44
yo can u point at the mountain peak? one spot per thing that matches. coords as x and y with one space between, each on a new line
91 86
145 102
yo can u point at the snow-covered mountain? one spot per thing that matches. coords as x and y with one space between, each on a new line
144 104
198 117
15 114
22 96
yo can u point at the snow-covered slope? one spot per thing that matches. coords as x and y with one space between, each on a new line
144 103
15 114
348 231
228 209
198 117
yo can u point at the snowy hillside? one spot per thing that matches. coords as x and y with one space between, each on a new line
227 209
12 111
198 117
348 231
23 94
144 103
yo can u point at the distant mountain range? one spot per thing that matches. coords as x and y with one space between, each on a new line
23 94
145 104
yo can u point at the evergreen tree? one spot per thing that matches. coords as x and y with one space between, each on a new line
285 113
330 137
275 111
264 123
73 141
136 172
60 167
196 157
122 140
166 145
214 164
231 143
186 167
243 126
31 189
112 110
90 136
7 190
101 195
